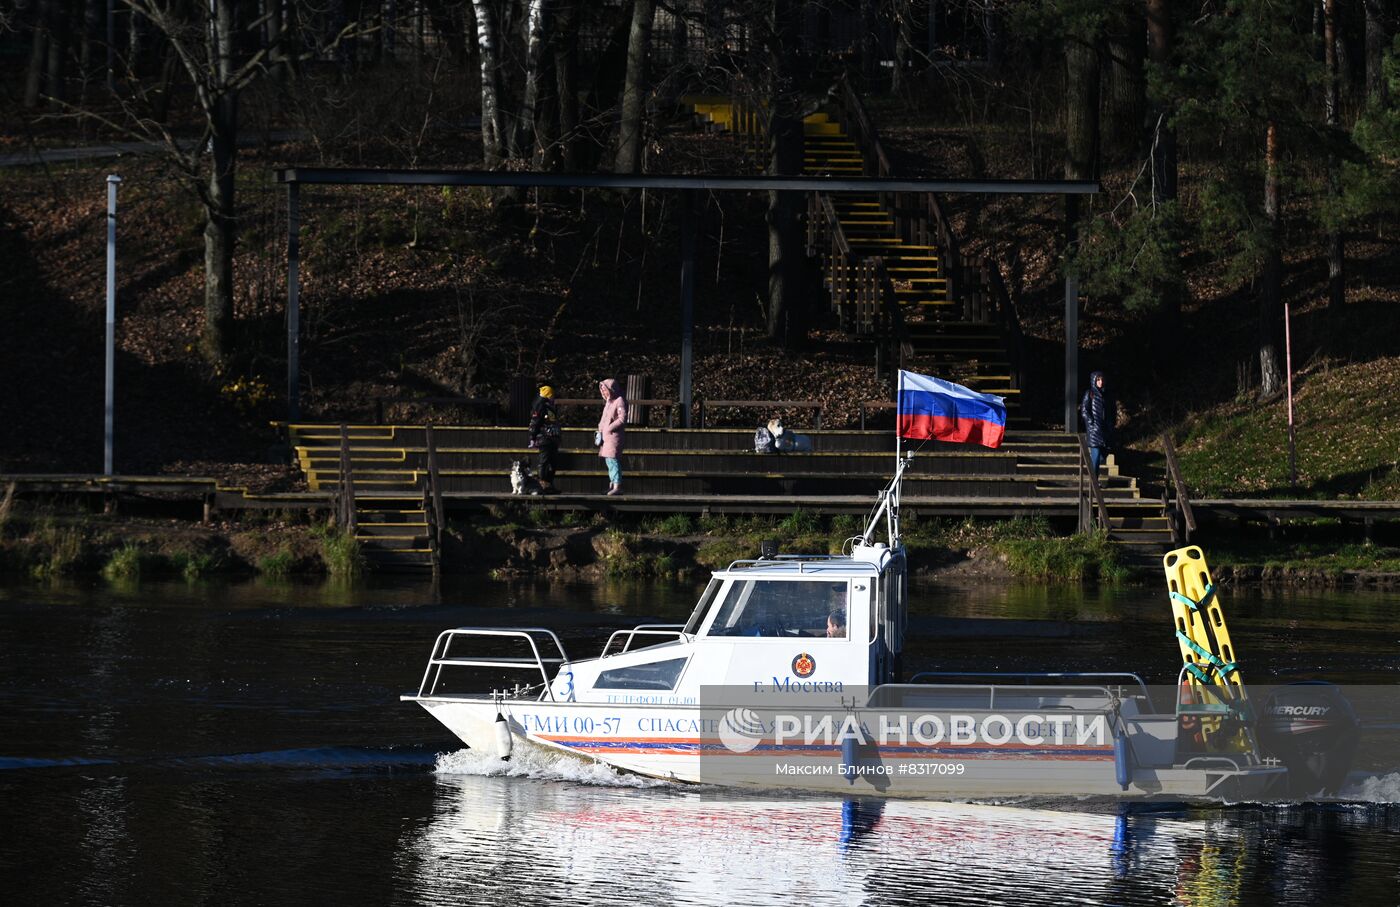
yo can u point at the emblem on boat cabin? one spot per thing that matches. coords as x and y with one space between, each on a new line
804 665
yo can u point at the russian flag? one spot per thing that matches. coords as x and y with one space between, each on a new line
931 408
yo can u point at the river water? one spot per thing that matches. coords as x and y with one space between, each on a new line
244 743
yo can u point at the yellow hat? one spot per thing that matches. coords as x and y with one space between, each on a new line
546 391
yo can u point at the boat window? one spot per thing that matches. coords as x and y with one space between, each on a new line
702 608
657 675
782 608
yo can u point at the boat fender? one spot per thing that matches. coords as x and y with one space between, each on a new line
505 742
848 758
1122 760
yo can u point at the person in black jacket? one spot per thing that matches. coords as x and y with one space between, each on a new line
1099 411
545 434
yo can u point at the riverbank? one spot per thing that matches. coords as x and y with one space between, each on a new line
514 541
41 541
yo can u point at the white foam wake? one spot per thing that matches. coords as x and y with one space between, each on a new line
1375 789
540 764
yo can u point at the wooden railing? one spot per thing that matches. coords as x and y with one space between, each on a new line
432 499
974 284
1178 511
1093 512
862 292
345 490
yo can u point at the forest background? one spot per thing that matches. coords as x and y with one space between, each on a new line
1249 152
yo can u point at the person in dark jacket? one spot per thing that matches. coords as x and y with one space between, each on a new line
545 433
1099 411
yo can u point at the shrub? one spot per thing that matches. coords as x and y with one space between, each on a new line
341 552
193 565
676 524
277 565
125 563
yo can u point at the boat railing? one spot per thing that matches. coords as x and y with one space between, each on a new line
532 637
896 691
799 559
673 631
1028 676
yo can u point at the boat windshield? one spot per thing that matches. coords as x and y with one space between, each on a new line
702 608
786 608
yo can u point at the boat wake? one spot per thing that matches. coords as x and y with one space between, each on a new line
541 765
1373 789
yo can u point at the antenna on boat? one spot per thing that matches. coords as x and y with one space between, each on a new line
888 506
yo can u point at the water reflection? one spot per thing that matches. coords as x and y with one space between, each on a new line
562 841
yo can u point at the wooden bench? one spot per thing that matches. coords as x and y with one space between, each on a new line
762 404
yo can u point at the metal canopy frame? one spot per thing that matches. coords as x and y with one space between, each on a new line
688 186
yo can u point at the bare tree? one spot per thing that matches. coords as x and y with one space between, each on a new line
629 141
206 39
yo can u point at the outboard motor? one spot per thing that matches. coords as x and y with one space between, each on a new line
1312 729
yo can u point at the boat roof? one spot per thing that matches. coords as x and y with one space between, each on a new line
864 561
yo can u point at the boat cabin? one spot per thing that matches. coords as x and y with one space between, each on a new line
808 624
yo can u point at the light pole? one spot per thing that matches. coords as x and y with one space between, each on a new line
112 181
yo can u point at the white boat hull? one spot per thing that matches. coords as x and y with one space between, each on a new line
681 743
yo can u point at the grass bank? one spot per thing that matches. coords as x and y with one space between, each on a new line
1347 426
47 540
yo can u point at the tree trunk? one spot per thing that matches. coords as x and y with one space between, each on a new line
1336 254
566 82
629 140
1376 43
1081 109
1163 138
220 229
869 43
537 28
991 30
38 54
1126 95
1270 299
903 43
390 25
90 48
785 298
59 29
219 235
489 46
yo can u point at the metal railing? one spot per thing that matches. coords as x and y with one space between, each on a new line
442 656
671 631
1177 510
1093 512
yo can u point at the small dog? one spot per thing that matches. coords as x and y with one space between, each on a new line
785 441
522 480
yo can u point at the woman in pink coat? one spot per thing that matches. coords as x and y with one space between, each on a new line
610 427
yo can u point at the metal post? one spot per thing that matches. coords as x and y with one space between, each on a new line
1288 365
687 298
112 182
293 302
111 46
1071 321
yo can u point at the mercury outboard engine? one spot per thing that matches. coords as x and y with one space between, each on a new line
1311 728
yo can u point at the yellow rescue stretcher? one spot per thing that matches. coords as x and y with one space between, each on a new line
1212 687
